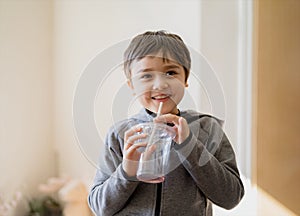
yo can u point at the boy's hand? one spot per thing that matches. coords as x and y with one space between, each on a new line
180 125
131 154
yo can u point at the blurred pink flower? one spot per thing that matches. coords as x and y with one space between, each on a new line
7 206
53 185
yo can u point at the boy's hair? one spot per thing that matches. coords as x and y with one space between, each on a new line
154 42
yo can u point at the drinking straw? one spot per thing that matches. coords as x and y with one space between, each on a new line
154 126
159 109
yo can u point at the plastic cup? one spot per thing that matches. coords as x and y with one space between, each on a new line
154 159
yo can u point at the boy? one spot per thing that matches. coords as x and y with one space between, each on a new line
157 65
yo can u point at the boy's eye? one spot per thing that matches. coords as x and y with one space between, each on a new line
146 76
171 73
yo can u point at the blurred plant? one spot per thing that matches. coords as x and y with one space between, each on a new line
6 207
49 204
46 206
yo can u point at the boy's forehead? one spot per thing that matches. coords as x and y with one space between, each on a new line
153 60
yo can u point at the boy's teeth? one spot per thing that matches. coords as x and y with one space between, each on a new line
161 97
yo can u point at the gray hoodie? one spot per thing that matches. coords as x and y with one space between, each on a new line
203 170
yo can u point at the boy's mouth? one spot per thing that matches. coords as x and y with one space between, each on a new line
161 97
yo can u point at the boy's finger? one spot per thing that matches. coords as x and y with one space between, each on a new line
133 138
182 121
131 132
168 118
132 149
148 152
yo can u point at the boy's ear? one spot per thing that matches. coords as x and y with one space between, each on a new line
186 84
129 83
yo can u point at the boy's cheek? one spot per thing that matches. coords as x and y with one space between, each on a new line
142 90
137 86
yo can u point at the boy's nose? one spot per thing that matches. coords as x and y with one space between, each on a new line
160 83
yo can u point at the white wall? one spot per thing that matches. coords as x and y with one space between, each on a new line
27 157
226 41
219 41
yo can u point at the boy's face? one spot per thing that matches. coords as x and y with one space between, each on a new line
155 80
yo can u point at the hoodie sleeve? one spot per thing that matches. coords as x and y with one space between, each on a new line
210 160
111 189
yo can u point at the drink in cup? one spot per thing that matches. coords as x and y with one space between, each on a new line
155 157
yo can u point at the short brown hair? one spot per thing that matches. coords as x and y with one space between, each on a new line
153 42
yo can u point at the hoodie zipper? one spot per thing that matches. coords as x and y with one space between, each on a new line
158 199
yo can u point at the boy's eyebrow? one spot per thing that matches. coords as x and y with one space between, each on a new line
172 66
146 70
165 67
